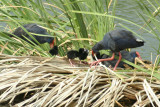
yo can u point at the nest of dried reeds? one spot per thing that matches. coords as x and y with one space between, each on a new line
52 82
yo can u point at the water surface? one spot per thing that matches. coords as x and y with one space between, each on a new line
128 9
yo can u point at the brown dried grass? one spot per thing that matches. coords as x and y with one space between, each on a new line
52 82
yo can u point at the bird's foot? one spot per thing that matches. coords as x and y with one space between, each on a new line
114 69
80 62
73 65
94 63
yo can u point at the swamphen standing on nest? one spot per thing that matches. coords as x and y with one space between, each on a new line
36 29
129 56
81 54
116 41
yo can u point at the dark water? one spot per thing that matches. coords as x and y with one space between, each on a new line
128 9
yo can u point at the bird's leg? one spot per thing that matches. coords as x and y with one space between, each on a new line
101 60
120 57
71 63
80 62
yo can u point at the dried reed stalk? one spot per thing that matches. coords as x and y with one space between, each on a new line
52 82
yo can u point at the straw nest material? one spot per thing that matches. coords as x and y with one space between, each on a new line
52 82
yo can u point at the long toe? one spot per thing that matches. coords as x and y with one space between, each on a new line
94 63
97 63
72 65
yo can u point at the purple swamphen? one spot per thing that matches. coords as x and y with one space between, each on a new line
116 41
36 29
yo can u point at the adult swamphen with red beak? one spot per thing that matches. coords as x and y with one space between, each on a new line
35 29
116 41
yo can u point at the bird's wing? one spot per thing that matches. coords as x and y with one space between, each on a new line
123 43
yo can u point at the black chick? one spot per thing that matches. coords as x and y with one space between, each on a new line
54 50
81 54
72 54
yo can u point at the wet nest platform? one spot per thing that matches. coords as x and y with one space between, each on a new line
52 82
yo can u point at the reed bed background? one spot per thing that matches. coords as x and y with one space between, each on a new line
31 77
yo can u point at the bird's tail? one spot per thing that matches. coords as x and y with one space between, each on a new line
140 42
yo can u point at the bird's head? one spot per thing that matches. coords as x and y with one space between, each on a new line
95 52
98 55
54 50
82 50
51 42
138 55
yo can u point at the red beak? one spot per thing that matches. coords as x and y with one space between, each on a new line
92 53
138 55
52 44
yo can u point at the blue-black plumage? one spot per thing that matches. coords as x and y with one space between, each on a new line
81 54
34 28
54 50
129 56
116 41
